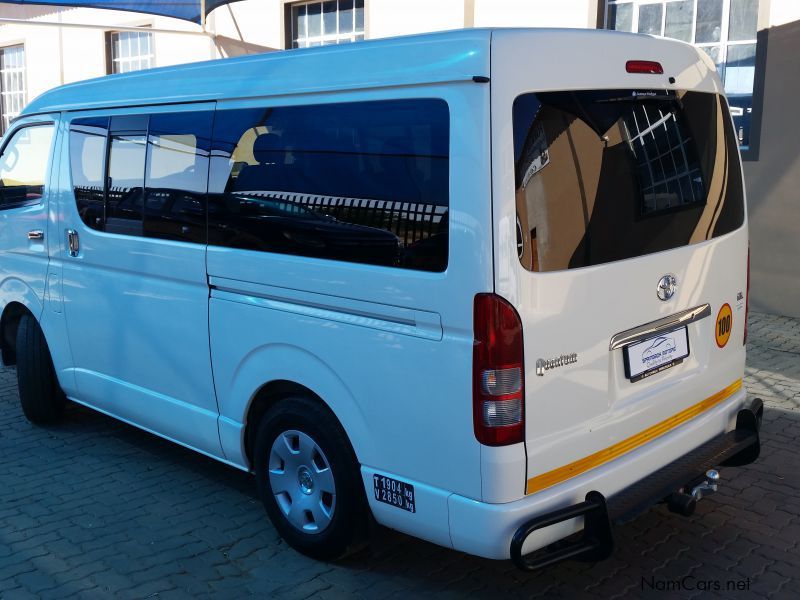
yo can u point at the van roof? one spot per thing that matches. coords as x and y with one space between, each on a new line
456 55
429 58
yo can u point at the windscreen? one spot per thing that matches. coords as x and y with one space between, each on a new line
614 174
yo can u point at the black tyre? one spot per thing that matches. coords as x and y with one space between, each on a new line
309 479
39 393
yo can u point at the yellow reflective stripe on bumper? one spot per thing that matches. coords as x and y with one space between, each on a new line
551 478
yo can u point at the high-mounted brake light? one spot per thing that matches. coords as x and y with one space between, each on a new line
747 297
498 393
644 66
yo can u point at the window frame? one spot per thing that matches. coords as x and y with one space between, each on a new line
8 136
333 39
24 71
111 61
749 152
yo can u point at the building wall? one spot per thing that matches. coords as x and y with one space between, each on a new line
248 26
386 18
62 55
783 11
536 13
57 55
773 181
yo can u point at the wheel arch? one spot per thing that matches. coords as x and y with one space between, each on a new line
265 398
9 323
272 373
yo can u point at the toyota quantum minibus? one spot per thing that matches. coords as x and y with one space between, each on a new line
487 287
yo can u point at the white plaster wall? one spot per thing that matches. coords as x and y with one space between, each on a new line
57 55
783 11
386 18
536 13
258 22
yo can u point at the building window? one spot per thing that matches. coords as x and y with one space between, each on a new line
723 29
323 23
130 51
12 83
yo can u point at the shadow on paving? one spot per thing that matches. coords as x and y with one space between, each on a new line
93 507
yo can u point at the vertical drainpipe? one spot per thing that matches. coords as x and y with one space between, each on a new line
60 48
469 13
212 45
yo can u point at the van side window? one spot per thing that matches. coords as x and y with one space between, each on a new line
87 150
176 176
153 181
125 196
23 166
364 182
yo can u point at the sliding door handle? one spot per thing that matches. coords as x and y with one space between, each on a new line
73 242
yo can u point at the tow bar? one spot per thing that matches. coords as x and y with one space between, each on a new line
684 504
735 448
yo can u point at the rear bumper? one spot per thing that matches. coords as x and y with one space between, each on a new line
488 529
735 448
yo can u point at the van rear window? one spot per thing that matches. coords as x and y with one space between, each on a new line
614 174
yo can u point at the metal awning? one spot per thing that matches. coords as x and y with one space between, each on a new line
188 10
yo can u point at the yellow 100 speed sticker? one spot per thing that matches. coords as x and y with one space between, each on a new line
724 325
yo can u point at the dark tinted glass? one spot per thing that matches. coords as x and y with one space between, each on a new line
362 182
87 151
155 181
125 197
176 176
609 175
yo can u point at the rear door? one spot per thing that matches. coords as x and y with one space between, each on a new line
620 240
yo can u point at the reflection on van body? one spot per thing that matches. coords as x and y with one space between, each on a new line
268 224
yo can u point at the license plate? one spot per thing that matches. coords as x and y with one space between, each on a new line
656 354
394 492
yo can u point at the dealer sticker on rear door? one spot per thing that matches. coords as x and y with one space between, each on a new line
656 354
394 492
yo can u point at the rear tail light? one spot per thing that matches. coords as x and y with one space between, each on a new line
498 375
747 297
644 66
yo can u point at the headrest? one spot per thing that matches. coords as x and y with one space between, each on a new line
266 146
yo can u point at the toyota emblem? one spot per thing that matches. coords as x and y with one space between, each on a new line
666 287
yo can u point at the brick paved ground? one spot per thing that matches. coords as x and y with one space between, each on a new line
93 508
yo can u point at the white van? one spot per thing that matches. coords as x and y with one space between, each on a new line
487 287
